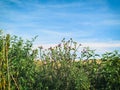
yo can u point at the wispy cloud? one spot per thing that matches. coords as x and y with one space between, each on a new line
107 22
102 45
100 48
63 34
111 22
88 20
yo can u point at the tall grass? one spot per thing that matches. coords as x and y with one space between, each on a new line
4 65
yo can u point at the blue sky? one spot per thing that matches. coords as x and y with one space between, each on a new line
94 23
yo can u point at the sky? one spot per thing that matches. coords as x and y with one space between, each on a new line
93 23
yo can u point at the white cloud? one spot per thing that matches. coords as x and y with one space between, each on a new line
37 16
63 5
99 47
56 33
102 45
111 22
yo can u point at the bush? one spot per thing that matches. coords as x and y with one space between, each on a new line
57 68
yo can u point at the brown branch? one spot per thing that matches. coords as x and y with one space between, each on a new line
15 83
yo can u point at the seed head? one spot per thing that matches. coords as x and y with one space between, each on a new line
40 47
59 45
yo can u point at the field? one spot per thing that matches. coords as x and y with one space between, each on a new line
57 68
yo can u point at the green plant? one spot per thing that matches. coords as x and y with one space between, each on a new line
57 68
4 65
60 70
21 59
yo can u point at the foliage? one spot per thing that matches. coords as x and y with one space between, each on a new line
57 68
4 66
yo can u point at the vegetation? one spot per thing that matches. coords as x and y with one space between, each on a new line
57 68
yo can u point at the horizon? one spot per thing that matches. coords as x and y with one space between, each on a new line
92 23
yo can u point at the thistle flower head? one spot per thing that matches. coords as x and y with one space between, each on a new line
59 45
40 47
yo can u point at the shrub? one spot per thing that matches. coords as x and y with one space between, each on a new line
57 68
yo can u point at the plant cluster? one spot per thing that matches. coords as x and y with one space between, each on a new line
57 67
